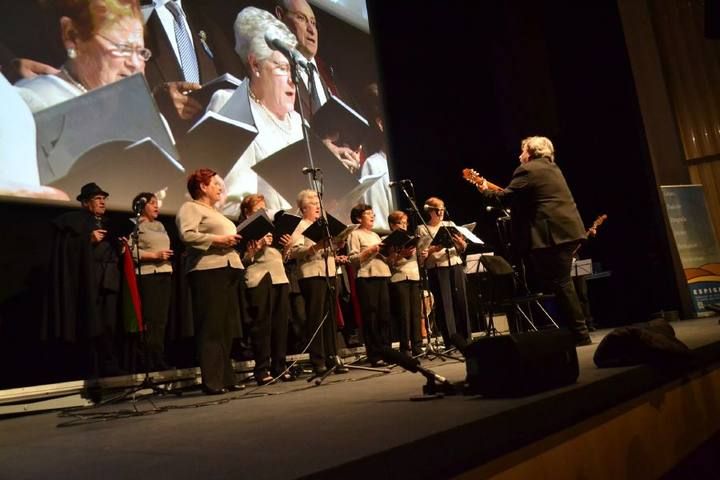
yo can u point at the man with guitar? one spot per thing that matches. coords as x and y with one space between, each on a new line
546 225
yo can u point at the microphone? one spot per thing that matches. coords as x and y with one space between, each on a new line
307 170
139 204
274 42
395 183
410 364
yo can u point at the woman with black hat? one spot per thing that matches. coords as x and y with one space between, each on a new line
85 280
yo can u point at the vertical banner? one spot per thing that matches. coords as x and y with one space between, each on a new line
696 243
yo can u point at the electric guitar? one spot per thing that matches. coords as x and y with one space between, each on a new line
474 177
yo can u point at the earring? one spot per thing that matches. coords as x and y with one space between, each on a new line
71 53
257 73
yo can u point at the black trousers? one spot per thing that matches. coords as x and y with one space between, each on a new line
320 305
552 269
155 289
447 285
374 297
405 307
216 312
269 311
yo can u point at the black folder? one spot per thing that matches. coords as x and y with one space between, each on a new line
113 136
283 171
218 139
285 224
443 237
398 238
316 231
256 226
226 81
335 117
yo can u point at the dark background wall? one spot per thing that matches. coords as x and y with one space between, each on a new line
465 82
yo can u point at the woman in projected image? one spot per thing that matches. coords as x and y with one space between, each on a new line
379 194
268 298
153 248
272 100
104 43
446 274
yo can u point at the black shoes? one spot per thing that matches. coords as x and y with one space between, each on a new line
581 342
263 379
213 391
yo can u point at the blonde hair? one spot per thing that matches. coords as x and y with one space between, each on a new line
538 147
304 195
90 16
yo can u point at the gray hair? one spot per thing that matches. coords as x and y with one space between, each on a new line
539 147
250 27
304 195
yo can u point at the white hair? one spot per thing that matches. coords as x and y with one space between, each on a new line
539 147
304 196
250 27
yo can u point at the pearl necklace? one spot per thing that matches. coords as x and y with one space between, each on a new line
285 126
76 83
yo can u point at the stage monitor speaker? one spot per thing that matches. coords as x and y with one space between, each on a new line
521 364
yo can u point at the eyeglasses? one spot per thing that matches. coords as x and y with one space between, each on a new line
280 69
127 50
304 19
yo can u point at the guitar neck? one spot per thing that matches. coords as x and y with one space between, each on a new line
493 187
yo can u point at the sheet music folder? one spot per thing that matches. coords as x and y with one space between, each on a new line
285 223
226 81
398 239
444 235
218 139
283 171
336 117
338 230
256 226
113 136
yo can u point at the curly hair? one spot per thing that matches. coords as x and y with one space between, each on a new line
250 28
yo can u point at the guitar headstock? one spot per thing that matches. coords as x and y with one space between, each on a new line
599 220
472 176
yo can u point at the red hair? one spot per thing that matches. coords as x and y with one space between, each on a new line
199 177
248 203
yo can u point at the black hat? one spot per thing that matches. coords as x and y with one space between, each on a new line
89 190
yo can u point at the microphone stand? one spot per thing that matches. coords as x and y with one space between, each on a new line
316 182
431 349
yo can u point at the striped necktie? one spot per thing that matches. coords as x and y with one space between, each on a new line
188 60
315 102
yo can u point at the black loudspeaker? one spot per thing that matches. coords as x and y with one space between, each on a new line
522 364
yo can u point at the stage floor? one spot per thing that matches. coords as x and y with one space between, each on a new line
353 426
